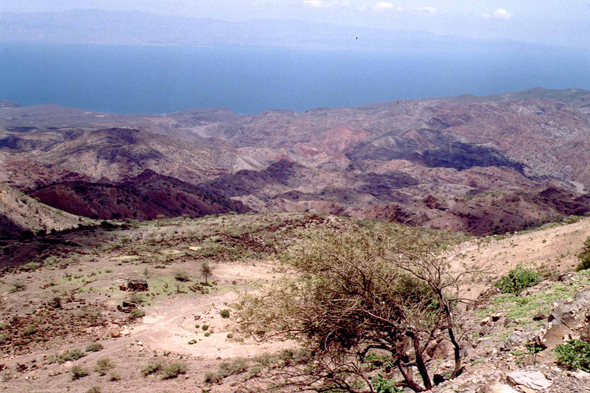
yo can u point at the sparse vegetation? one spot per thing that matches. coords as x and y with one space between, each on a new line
137 313
68 356
94 389
206 271
182 276
371 287
313 290
18 286
114 376
136 298
574 354
584 257
103 365
167 370
384 385
173 370
517 280
78 372
152 368
30 267
94 347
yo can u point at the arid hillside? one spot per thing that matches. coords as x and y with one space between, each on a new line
22 215
69 322
521 157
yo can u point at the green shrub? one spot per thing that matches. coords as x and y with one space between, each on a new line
205 327
224 313
68 356
211 377
137 313
517 280
384 385
94 347
78 372
234 367
574 354
380 361
168 371
182 276
30 267
94 389
136 298
103 365
152 367
584 256
113 376
18 286
585 264
173 370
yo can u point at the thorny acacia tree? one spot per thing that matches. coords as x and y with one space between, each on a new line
387 287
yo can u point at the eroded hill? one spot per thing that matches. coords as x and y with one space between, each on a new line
21 214
480 164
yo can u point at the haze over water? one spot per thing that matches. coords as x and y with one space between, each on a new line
133 79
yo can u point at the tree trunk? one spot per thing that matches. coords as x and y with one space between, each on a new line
458 366
420 361
409 381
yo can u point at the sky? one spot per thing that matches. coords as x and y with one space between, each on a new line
549 22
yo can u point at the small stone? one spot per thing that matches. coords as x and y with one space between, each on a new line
582 375
496 317
498 388
539 317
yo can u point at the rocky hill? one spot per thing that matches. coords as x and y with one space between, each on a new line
521 157
21 214
144 197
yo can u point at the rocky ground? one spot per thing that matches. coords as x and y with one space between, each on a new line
57 306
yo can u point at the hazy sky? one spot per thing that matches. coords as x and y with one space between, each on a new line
562 22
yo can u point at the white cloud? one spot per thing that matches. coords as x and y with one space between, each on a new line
324 4
382 5
313 3
387 6
428 10
499 14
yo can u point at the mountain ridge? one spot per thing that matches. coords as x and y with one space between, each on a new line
131 28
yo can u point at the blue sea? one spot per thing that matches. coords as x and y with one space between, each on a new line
133 79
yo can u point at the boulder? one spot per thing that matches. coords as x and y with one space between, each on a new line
566 318
529 379
137 285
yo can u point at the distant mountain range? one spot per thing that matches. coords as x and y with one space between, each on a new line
139 28
479 164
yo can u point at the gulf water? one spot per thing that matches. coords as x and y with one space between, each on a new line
134 79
